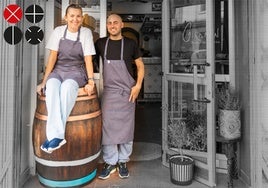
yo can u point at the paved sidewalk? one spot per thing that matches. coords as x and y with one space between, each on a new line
143 174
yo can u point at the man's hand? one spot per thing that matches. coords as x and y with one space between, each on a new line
134 93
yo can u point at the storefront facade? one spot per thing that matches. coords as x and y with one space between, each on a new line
229 35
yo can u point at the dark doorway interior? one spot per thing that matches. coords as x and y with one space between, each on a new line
148 127
131 33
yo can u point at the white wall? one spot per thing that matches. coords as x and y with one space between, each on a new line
242 63
259 92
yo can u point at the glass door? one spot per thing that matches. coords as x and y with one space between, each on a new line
188 82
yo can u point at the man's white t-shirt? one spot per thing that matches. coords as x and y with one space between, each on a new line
86 39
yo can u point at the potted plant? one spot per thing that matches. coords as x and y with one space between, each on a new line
196 130
181 166
228 103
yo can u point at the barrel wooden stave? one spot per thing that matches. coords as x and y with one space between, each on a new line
83 140
81 107
78 135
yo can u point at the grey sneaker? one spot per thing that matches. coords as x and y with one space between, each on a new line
123 171
106 171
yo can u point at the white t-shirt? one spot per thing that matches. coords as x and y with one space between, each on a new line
86 39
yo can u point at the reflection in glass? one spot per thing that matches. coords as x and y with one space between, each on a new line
182 108
86 3
221 37
188 37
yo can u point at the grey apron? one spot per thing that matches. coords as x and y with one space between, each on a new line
70 61
118 114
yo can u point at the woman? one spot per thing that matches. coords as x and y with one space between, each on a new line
69 67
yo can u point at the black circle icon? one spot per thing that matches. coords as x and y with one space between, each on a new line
34 13
13 35
34 35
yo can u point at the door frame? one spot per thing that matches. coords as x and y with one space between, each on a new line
210 7
210 93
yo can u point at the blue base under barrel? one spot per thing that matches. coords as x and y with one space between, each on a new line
71 183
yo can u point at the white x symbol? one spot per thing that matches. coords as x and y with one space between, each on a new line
13 13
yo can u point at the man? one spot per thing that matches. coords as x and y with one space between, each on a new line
119 94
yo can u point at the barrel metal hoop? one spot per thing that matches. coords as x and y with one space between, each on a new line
86 98
67 163
68 183
79 98
72 118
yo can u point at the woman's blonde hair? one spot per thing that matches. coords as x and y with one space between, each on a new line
75 6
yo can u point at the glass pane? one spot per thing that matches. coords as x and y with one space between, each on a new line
221 37
86 3
187 92
186 118
187 124
187 36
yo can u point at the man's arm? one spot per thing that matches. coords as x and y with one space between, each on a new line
140 75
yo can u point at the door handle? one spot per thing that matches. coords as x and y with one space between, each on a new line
202 63
203 100
195 81
196 99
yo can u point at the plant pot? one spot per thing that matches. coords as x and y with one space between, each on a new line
229 124
181 169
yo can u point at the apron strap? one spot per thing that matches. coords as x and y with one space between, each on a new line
122 48
65 32
105 50
78 35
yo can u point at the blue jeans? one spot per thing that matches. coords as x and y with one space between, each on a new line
115 153
60 99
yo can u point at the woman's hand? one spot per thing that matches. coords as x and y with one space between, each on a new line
89 88
40 88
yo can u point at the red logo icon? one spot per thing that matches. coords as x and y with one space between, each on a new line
13 13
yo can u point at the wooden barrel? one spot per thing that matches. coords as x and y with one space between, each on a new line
75 163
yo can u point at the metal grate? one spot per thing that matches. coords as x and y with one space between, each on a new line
7 78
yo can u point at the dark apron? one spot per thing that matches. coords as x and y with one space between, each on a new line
118 114
70 61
